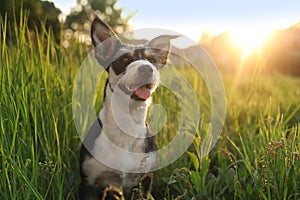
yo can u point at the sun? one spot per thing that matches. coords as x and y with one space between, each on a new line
249 41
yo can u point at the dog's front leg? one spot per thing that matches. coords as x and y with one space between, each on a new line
89 192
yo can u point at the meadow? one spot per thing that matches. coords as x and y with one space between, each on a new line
257 155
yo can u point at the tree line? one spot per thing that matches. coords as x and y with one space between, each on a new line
45 15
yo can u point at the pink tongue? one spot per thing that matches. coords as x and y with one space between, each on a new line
143 93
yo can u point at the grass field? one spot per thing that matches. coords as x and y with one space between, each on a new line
257 155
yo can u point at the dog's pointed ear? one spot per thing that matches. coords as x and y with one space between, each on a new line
159 47
105 40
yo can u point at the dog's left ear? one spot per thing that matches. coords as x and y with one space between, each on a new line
159 47
105 40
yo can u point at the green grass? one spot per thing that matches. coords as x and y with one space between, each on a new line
256 157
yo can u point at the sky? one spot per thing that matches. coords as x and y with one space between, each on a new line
194 17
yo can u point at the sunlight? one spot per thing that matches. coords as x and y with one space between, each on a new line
249 41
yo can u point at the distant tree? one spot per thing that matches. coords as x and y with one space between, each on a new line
38 12
50 15
105 9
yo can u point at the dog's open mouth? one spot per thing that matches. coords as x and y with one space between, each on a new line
143 92
140 93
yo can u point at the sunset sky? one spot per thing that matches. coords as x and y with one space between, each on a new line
193 17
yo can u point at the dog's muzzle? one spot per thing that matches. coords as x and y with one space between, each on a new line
143 86
145 71
139 93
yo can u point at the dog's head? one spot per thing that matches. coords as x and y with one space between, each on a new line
132 68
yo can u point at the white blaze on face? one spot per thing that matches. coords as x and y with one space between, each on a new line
141 86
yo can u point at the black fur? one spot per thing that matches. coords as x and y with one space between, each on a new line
87 191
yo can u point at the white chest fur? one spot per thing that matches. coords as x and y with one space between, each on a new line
118 157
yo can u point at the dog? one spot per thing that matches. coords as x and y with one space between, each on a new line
133 76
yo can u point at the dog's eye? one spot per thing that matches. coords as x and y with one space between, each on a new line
125 59
152 60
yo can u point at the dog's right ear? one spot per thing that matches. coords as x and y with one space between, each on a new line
105 40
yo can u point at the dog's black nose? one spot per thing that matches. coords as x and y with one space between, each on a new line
145 70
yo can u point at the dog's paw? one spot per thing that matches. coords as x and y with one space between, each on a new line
143 190
112 193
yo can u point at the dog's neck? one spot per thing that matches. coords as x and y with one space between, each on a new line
118 114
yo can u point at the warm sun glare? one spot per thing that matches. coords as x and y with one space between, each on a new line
249 41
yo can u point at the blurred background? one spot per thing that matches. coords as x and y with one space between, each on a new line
241 37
